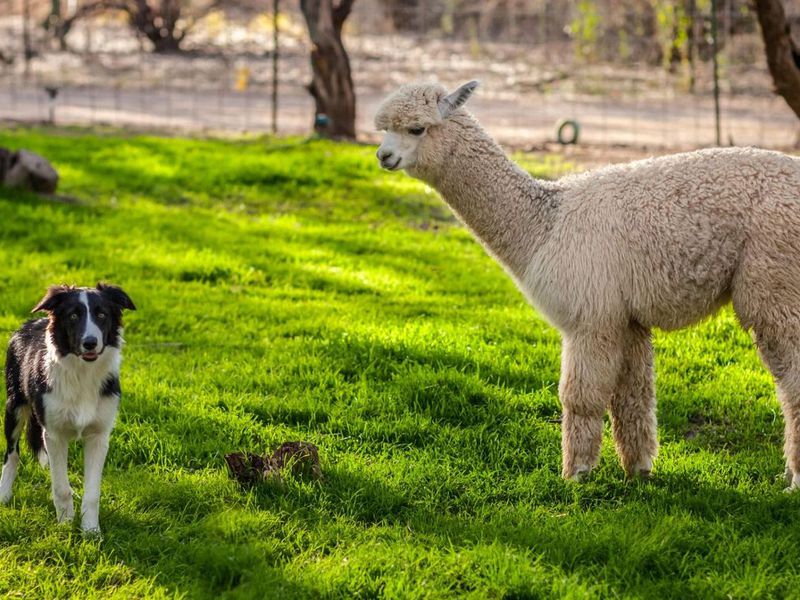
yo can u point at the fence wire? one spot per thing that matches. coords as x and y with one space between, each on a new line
632 73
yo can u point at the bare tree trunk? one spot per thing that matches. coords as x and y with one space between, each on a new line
783 57
332 83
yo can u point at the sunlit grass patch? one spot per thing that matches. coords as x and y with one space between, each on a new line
290 290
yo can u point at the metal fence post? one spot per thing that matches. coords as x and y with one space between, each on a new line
715 50
275 66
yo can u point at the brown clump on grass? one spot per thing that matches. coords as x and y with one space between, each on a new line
299 458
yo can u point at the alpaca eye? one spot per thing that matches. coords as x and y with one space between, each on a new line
416 130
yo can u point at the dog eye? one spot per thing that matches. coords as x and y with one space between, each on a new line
101 315
73 317
416 130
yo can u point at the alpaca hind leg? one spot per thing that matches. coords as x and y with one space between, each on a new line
778 343
781 354
789 396
765 291
633 405
788 388
589 369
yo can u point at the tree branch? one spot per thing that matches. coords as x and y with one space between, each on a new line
192 18
340 13
88 9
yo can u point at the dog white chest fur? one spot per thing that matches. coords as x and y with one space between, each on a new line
74 407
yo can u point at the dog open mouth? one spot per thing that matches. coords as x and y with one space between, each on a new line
89 356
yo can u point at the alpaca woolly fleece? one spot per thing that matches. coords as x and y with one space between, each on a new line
609 254
411 105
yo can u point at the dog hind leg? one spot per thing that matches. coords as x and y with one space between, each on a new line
15 419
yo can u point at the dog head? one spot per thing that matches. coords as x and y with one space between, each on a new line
85 321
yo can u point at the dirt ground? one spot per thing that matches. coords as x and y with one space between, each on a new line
222 85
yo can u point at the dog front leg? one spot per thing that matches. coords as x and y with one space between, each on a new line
57 447
94 458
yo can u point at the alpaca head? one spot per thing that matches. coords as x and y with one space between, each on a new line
414 117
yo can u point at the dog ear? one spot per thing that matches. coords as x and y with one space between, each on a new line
54 296
116 295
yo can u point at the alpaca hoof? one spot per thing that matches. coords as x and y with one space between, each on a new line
65 511
640 469
580 474
65 517
792 480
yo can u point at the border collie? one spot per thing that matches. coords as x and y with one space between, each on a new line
62 377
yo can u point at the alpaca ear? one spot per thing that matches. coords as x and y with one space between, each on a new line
55 294
451 102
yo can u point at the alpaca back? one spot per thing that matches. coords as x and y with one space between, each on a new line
658 241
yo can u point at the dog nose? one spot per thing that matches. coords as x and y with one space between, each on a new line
89 343
384 155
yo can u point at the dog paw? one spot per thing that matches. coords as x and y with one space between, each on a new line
92 533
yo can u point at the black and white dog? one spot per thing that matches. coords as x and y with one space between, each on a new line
62 377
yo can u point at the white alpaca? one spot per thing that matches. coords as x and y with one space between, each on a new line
609 254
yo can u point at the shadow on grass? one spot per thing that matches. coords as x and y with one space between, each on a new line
353 357
645 534
174 538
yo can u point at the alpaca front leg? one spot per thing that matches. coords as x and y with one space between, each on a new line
633 406
94 458
589 367
57 447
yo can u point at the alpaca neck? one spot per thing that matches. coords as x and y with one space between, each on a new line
505 208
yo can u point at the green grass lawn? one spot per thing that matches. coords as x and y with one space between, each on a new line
291 290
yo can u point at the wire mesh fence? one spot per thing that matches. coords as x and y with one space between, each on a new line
635 72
